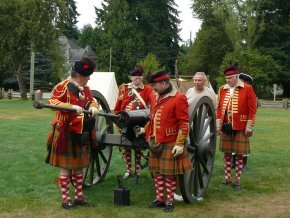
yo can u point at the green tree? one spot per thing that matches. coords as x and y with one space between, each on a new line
275 40
90 36
132 29
211 43
44 78
242 21
261 67
204 10
119 36
70 29
150 64
207 52
158 21
26 25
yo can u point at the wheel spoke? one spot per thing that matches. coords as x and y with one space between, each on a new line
204 166
103 157
200 177
207 137
91 179
100 122
98 168
190 184
105 129
204 113
195 181
192 137
206 126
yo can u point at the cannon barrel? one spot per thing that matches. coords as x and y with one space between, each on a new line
41 105
130 119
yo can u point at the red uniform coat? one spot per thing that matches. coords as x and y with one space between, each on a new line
169 125
62 97
127 100
168 118
68 153
242 105
240 110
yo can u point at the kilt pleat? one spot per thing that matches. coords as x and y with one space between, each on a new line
238 144
165 164
74 157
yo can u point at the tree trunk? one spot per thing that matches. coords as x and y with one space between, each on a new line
21 83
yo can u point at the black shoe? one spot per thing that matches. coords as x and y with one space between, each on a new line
237 186
168 207
156 203
68 205
227 182
82 203
136 178
244 168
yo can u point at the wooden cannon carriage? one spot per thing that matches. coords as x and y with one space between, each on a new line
201 143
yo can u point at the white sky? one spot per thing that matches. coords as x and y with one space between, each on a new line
188 24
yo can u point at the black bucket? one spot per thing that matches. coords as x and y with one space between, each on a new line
121 194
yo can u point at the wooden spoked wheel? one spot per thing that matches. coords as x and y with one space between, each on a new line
201 145
100 157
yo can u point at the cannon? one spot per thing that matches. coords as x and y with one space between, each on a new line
201 143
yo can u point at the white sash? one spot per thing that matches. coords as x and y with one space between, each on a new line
140 98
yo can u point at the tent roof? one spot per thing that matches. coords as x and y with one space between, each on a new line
105 83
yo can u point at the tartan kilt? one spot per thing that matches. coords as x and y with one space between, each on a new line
238 144
165 164
71 158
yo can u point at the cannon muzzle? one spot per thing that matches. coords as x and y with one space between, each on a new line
128 120
38 104
41 105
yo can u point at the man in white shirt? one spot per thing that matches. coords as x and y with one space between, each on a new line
200 89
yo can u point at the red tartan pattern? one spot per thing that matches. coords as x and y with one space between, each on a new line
238 144
166 164
67 160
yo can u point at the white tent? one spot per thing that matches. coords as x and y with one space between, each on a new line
105 83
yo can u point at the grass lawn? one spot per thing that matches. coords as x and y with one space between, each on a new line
27 188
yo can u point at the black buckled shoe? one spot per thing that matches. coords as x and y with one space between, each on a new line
68 205
82 203
168 207
156 203
237 186
136 178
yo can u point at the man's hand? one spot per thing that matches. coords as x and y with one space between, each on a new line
139 131
177 150
78 109
94 111
249 132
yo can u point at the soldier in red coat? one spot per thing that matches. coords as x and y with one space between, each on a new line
166 133
235 119
133 96
72 132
